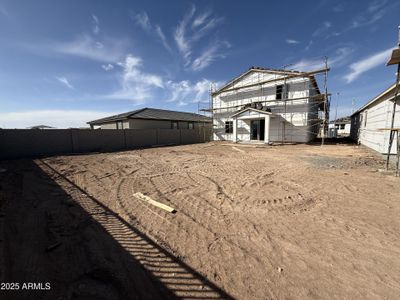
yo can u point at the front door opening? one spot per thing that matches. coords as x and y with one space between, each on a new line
257 130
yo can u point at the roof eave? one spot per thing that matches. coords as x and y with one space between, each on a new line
254 109
376 98
265 70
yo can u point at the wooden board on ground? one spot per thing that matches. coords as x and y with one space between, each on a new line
154 202
237 149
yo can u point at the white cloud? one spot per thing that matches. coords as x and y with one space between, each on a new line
291 41
96 24
374 12
180 35
184 92
140 87
192 29
310 43
109 50
136 85
106 49
376 5
322 29
65 81
108 67
209 55
306 64
341 57
366 64
54 118
363 20
162 37
143 20
203 30
132 72
200 20
338 58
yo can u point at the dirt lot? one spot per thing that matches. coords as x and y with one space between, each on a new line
277 222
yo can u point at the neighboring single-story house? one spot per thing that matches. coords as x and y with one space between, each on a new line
340 127
368 121
152 118
41 127
268 105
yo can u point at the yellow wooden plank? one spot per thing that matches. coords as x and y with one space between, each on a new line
237 149
154 202
394 129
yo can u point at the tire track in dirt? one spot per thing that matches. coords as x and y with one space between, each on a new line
206 213
175 275
191 221
197 208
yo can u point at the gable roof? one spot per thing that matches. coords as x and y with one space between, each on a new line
377 98
254 69
41 127
344 120
291 73
253 109
153 114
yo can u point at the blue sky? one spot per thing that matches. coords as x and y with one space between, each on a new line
63 63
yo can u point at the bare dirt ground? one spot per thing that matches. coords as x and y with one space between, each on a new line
252 222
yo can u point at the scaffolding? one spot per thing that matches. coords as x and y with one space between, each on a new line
394 60
254 94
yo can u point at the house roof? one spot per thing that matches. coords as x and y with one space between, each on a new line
394 58
377 98
344 120
153 114
253 109
41 127
264 70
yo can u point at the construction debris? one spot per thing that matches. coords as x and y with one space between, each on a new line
237 149
154 202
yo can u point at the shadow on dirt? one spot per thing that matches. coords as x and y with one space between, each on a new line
54 232
333 141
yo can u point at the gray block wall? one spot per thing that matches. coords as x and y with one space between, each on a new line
18 143
139 138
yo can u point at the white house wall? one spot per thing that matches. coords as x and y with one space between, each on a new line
345 131
366 124
301 115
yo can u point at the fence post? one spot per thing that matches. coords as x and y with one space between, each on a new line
72 141
125 139
157 131
180 136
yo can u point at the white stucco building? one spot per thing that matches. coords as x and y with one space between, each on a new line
368 122
267 105
340 127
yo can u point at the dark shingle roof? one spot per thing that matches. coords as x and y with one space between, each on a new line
41 127
344 120
153 114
